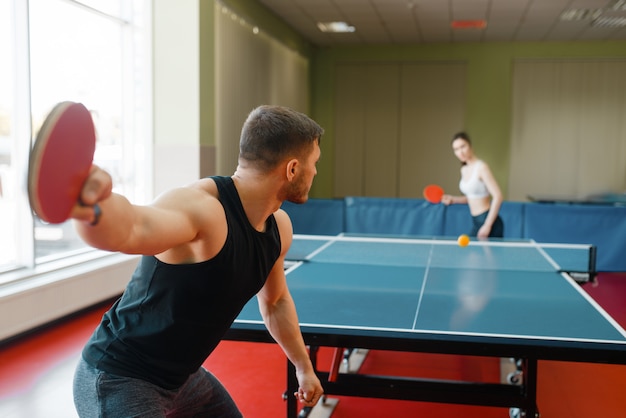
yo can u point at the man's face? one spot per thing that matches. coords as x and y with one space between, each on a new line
299 188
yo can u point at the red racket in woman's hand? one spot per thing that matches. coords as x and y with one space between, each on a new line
433 193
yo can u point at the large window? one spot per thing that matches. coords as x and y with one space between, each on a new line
91 51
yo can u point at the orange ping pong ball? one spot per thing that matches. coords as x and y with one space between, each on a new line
463 240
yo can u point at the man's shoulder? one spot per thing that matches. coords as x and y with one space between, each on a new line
283 222
207 185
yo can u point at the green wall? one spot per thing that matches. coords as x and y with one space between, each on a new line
488 99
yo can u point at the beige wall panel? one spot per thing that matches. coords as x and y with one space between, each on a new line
382 111
393 127
251 69
568 132
432 111
602 138
350 107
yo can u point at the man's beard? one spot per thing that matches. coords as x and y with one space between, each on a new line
298 191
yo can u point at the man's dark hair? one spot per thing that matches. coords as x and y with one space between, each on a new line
273 133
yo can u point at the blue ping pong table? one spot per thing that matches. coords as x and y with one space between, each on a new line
492 298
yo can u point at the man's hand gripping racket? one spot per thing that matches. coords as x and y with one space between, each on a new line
60 163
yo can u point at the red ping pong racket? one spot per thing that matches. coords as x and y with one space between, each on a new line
433 193
60 161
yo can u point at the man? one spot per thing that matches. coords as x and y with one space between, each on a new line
207 249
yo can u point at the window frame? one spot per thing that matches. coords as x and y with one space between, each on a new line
29 271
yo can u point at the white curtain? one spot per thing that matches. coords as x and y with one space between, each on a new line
568 129
393 127
252 69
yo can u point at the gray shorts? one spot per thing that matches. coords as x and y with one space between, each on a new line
98 394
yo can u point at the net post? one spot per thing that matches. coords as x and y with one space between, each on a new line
592 262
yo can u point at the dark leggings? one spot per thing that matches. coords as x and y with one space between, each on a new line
497 229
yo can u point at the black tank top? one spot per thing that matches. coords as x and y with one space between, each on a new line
171 317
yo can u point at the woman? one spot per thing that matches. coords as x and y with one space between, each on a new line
480 189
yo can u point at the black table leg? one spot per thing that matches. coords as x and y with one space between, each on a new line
530 377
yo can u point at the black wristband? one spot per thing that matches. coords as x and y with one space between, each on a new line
96 213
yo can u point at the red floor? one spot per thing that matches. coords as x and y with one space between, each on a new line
36 374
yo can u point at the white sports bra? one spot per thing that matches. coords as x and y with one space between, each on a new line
472 186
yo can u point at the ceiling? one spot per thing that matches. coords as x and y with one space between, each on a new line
424 21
